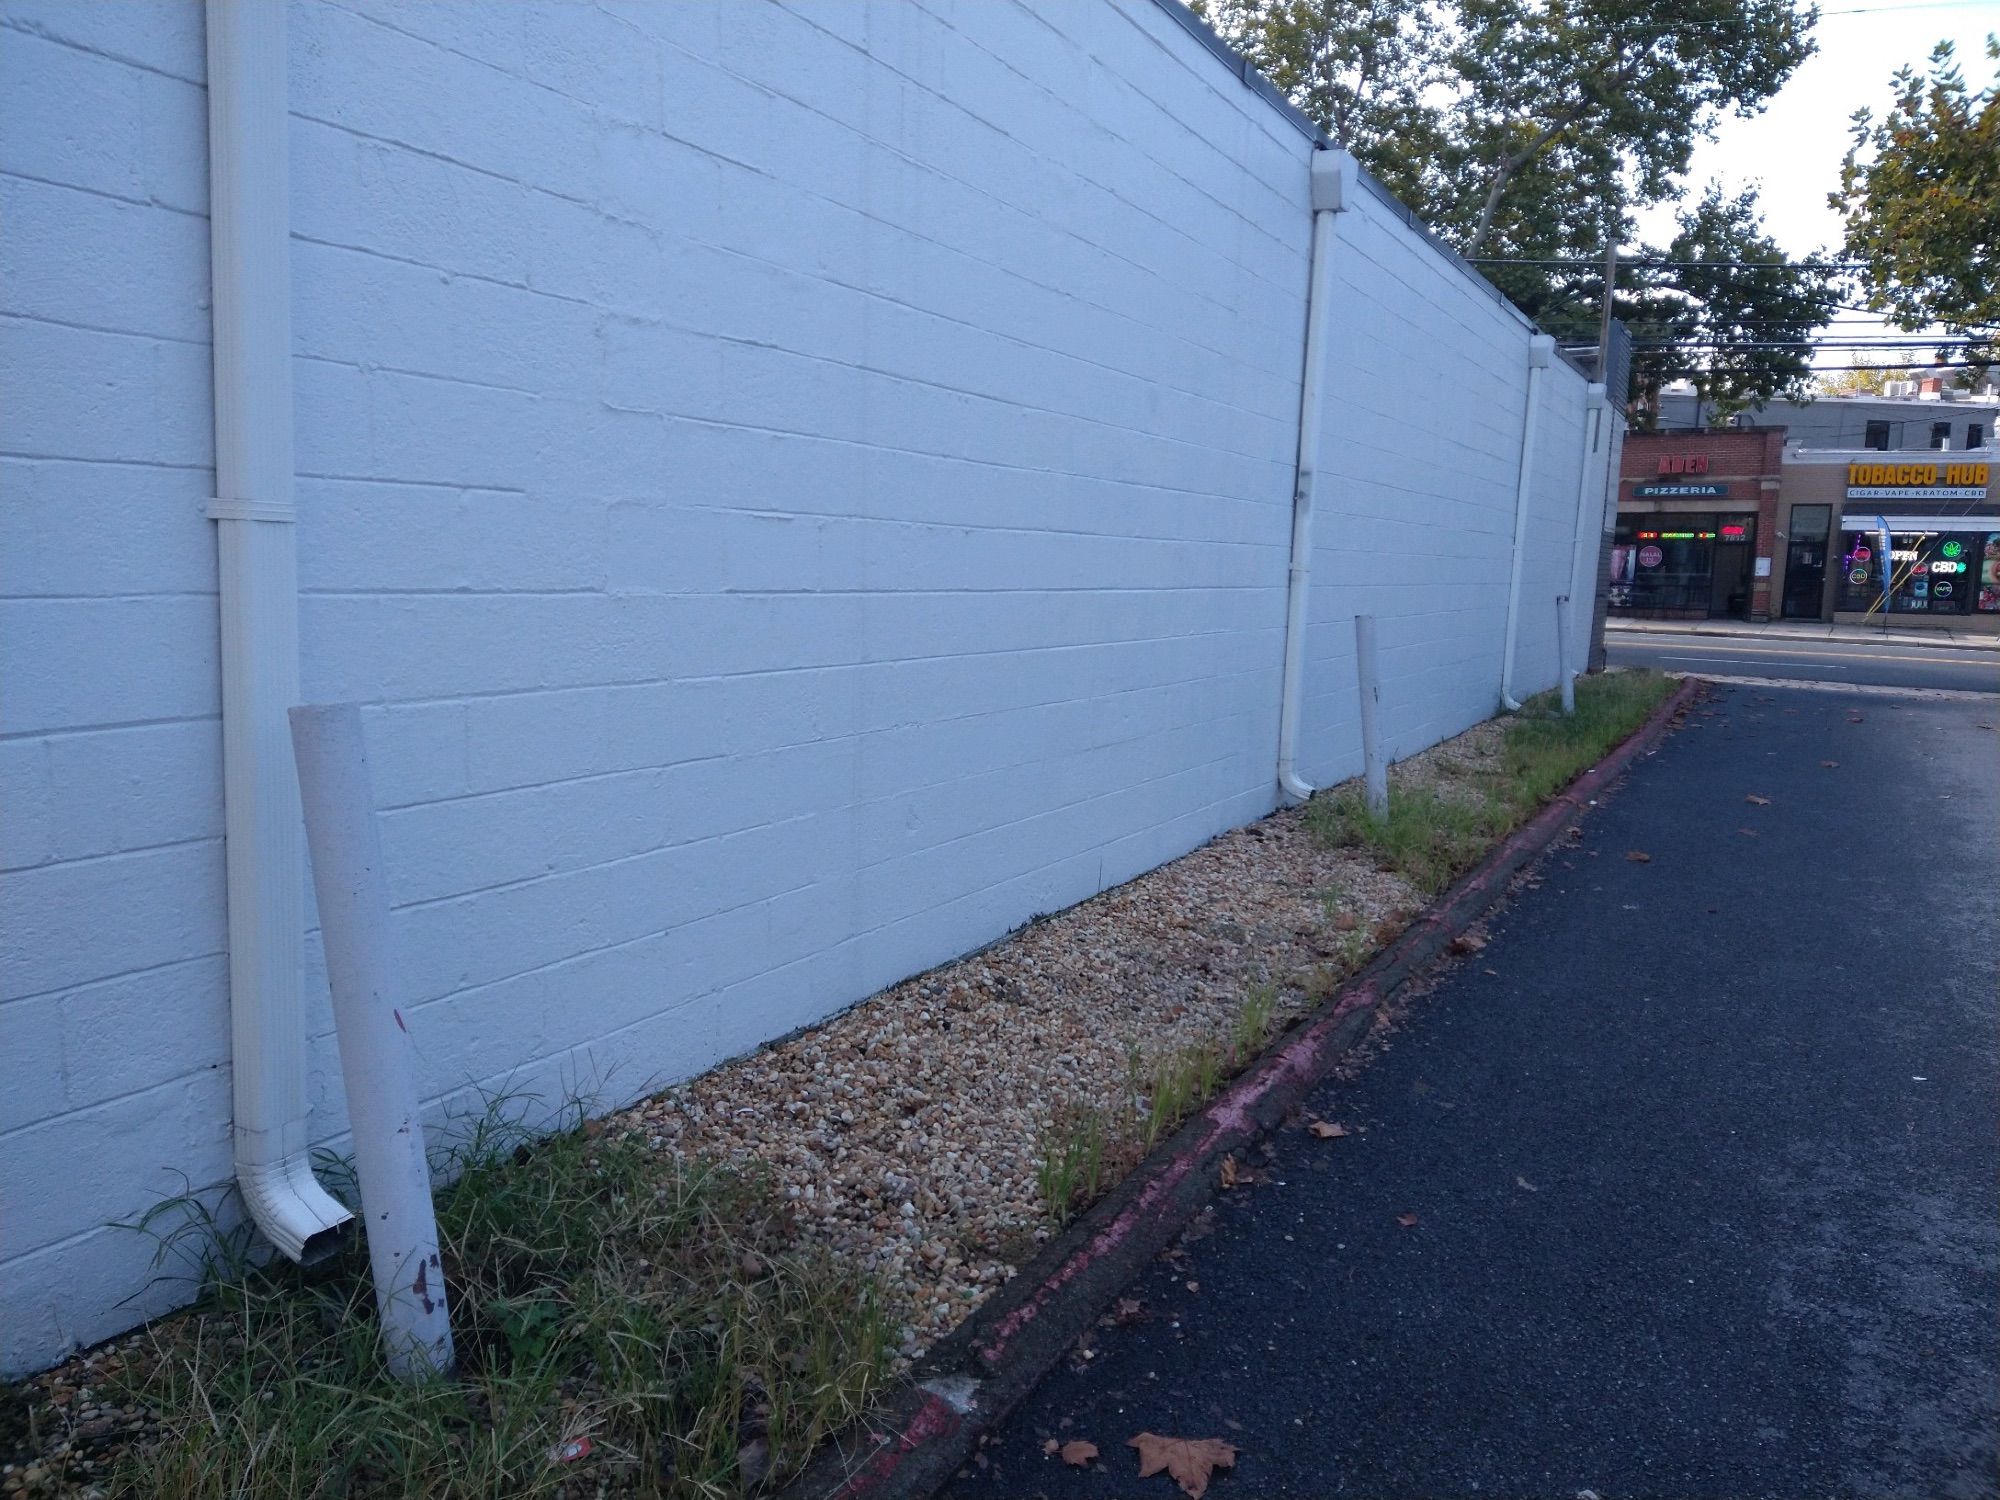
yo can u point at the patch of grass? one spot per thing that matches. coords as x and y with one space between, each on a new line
597 1291
1427 837
1542 752
1071 1173
1433 834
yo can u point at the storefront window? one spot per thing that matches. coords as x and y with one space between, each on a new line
1669 563
1930 572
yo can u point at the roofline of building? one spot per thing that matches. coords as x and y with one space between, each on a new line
1967 401
1981 455
1649 432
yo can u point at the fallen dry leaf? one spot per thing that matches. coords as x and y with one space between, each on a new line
1759 801
1346 922
1408 1221
1189 1461
1525 1185
1051 1446
1128 1310
1639 856
1232 1174
1327 1130
1194 1286
1830 764
1076 1452
1467 942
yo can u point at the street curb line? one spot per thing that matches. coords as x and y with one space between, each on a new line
1910 636
968 1383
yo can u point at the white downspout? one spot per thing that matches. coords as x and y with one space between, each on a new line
1541 348
1594 401
257 552
1330 175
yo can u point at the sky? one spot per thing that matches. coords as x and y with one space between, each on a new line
1793 150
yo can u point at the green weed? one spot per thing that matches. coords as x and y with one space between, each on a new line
1071 1173
1253 1023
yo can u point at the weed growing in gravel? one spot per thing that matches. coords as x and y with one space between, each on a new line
598 1292
1253 1023
1072 1167
1174 1094
1332 900
1433 834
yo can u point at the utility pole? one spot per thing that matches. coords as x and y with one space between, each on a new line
1604 319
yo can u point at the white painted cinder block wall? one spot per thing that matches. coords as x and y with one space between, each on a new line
805 487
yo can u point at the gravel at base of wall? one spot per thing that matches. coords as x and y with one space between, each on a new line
907 1132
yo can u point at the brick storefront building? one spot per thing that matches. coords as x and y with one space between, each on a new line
1697 524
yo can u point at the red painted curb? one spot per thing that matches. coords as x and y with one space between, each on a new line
976 1374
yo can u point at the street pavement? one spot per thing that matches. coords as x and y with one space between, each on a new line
1697 1153
1894 663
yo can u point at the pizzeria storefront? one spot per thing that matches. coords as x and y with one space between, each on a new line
1694 530
1690 564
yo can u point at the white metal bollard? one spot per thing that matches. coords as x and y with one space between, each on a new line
1375 765
375 1060
1562 655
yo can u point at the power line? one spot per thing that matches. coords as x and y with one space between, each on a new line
1896 10
1851 345
1696 265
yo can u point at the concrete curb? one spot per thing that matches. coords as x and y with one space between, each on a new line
973 1377
1832 634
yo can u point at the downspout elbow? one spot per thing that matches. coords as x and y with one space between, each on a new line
287 1203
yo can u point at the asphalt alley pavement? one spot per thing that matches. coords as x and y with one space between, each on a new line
1699 1150
1905 660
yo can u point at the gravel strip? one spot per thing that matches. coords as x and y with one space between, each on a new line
908 1131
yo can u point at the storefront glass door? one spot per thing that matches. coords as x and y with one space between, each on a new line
1805 562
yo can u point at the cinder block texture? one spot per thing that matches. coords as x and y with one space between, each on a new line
803 487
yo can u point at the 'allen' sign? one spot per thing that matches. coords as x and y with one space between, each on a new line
1683 463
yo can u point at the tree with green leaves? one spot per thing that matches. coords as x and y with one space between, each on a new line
1470 109
1530 130
1729 313
1920 194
